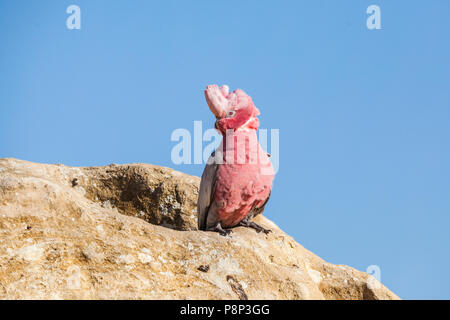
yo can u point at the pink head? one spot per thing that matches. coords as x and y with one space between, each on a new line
233 110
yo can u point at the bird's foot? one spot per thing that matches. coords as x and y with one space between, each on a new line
223 232
257 227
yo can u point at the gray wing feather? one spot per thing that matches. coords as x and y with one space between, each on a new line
206 193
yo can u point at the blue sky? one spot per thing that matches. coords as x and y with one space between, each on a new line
363 115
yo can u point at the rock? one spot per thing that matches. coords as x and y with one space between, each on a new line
129 232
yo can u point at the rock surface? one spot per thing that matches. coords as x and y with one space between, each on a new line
129 232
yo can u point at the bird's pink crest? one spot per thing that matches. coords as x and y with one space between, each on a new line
232 110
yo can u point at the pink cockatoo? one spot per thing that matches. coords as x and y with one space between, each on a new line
237 180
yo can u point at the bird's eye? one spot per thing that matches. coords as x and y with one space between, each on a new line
231 113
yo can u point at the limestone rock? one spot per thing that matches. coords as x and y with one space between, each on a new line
129 232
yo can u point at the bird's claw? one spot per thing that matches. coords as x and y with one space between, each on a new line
223 232
257 227
266 231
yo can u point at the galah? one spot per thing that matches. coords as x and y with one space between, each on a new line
237 180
